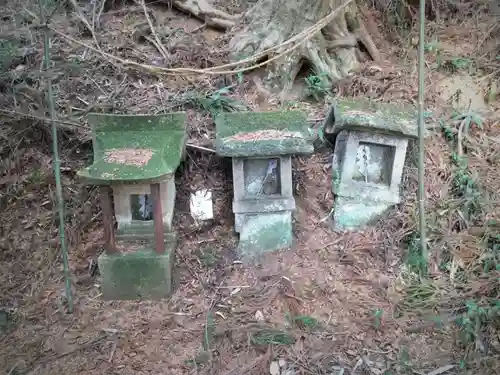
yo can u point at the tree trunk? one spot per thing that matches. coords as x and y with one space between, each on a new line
334 52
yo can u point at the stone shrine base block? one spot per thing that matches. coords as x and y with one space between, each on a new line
137 275
351 214
264 233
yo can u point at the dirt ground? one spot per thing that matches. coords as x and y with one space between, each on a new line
334 304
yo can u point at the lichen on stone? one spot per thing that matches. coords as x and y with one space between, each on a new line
362 114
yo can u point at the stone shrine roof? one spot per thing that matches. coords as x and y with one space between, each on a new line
246 134
133 148
365 115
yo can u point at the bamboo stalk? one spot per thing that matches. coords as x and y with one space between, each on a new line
57 161
421 141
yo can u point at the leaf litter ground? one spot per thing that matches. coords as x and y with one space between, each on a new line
337 301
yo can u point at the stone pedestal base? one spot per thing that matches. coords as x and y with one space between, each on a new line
265 232
350 214
137 275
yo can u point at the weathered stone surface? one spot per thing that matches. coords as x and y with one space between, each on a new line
141 274
249 178
351 182
265 233
367 173
131 148
246 134
351 214
365 115
243 209
260 144
249 183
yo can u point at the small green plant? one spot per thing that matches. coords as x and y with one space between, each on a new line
217 102
8 52
414 259
464 184
491 258
318 86
272 337
421 295
239 77
465 187
208 332
469 119
377 318
434 48
475 319
447 131
304 320
455 64
404 360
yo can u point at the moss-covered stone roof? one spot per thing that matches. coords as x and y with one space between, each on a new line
366 115
133 148
240 134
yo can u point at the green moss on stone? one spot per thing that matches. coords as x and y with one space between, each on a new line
163 135
366 115
353 214
141 274
265 233
240 134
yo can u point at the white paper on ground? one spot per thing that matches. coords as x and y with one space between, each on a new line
201 205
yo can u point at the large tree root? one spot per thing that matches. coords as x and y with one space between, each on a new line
333 52
206 12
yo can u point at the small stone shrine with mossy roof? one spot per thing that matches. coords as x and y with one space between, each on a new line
260 145
371 140
135 159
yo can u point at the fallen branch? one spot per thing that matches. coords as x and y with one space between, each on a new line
300 39
81 17
201 148
15 114
159 46
203 10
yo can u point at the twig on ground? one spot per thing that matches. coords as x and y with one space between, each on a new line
460 150
84 20
207 13
298 39
45 119
113 348
200 148
99 13
159 46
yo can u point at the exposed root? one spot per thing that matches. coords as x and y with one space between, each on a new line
332 51
206 12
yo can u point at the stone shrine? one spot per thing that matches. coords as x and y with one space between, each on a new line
369 155
260 145
135 159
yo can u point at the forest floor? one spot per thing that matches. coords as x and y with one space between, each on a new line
338 303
